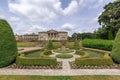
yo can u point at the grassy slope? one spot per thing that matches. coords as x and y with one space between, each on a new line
26 44
59 77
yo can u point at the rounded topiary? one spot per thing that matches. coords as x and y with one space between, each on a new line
115 54
8 47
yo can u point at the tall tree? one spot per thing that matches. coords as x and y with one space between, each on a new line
110 19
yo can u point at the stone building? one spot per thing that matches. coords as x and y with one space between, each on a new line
18 37
30 37
52 35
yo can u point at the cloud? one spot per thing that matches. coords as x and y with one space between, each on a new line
68 27
43 11
35 29
13 18
72 8
2 16
90 3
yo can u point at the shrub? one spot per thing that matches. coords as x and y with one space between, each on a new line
8 47
76 45
106 60
98 44
49 45
44 61
47 52
64 56
115 54
80 52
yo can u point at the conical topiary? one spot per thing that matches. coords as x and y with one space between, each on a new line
8 47
115 54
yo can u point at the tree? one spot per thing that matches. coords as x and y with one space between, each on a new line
49 45
8 47
110 19
115 54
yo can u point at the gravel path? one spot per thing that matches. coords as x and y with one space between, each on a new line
62 72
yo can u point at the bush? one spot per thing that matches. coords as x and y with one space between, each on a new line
115 54
47 52
80 52
49 45
44 61
76 45
64 56
98 44
106 60
8 47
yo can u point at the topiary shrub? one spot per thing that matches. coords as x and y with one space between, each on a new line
47 52
49 45
76 45
80 52
8 47
115 54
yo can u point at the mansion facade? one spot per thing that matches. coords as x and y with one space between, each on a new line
43 36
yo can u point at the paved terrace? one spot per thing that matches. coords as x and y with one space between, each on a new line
66 71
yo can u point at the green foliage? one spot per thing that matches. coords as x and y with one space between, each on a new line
109 20
8 47
64 56
98 44
47 52
76 45
79 52
106 60
115 54
110 35
49 45
44 61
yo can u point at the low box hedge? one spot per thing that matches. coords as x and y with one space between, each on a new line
42 61
64 56
106 60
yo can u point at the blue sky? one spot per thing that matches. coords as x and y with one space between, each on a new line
28 16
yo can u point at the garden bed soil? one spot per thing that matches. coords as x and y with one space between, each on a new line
74 66
14 66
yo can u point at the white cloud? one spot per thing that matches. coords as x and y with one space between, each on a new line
35 29
90 3
68 27
73 6
2 17
43 11
13 18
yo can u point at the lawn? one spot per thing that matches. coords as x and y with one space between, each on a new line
8 77
27 44
33 54
94 54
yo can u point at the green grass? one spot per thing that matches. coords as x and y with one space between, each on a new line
33 54
94 54
26 77
27 44
65 56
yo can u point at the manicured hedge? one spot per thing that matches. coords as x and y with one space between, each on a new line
64 56
44 61
115 54
8 46
80 52
98 44
106 60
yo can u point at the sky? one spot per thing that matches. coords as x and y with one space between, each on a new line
33 16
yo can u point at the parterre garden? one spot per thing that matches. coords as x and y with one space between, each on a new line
42 58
